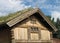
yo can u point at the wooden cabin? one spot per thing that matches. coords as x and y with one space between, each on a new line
30 27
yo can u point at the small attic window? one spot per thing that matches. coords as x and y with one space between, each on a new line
34 29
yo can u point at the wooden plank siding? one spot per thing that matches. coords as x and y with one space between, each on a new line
30 27
21 31
45 35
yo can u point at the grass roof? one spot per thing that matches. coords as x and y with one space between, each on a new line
13 15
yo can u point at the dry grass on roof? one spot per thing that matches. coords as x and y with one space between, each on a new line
13 15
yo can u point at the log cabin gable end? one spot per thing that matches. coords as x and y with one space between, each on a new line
40 16
32 22
29 27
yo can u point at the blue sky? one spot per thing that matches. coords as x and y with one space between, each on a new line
48 7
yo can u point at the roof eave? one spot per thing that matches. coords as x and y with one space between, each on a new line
47 20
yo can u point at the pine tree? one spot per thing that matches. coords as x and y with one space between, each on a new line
58 23
58 27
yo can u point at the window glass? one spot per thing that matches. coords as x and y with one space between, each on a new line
34 29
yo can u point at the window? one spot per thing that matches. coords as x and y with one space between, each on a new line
34 29
34 33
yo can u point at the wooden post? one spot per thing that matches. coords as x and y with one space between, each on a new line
51 37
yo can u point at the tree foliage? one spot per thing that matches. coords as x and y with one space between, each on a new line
57 25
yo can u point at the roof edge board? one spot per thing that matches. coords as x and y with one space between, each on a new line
47 20
10 24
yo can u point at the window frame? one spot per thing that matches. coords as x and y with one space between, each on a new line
34 29
38 32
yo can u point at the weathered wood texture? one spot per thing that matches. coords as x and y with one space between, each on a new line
45 35
21 31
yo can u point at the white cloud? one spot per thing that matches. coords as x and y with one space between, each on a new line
39 3
2 13
55 15
8 6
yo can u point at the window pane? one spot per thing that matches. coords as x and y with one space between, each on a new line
34 29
